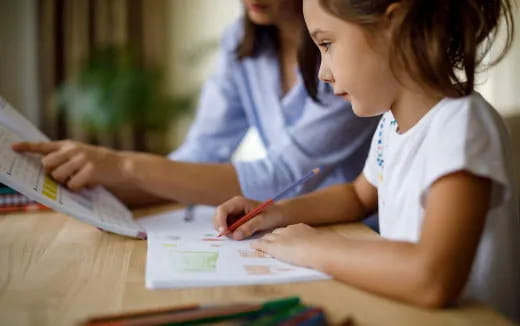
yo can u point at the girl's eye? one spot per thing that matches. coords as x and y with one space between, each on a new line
325 45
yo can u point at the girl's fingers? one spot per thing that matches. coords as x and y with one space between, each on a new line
261 244
36 147
231 210
220 217
249 228
269 237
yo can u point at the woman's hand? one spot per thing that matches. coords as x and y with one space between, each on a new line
294 244
77 165
238 206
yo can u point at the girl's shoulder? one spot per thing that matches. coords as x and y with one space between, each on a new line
472 111
467 121
467 133
470 120
462 117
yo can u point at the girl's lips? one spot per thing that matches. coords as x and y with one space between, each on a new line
343 94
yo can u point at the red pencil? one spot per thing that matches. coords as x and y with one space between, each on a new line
268 202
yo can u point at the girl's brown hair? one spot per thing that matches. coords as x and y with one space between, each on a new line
439 43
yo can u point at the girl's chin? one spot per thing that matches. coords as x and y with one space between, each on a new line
365 112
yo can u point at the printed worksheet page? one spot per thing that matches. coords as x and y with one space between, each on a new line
184 251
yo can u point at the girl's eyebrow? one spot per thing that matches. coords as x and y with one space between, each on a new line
315 33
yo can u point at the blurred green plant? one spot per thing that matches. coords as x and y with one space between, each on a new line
113 90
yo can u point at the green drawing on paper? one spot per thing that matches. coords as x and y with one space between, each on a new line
194 261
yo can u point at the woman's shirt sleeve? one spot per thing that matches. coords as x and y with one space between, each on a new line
220 122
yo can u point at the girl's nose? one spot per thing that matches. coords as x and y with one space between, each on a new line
325 74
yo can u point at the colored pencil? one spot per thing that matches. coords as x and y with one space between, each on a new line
23 208
260 208
193 314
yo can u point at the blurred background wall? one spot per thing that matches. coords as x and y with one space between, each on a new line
18 55
45 44
501 84
195 28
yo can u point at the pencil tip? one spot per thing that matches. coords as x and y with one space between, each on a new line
316 170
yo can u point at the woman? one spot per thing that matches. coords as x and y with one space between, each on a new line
256 85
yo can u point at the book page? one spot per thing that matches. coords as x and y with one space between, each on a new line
184 251
24 173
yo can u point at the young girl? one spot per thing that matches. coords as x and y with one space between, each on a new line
256 85
439 167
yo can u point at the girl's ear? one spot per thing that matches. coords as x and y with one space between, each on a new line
392 11
392 17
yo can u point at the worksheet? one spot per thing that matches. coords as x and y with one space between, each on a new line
24 173
184 251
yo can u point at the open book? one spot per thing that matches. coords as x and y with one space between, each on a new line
25 174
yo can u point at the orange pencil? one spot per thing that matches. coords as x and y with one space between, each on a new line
269 202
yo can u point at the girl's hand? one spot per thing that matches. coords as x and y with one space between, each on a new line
293 244
76 165
238 206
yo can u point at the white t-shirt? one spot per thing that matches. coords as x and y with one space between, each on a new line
457 134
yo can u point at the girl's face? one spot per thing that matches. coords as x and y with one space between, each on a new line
271 12
357 68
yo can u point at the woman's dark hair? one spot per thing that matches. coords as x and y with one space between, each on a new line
309 63
257 36
439 43
254 38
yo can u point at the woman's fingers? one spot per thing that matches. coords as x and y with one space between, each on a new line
82 178
36 147
66 162
56 154
57 158
67 169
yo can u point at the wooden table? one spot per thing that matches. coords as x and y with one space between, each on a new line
55 270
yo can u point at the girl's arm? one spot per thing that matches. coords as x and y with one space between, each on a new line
429 273
334 204
347 202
